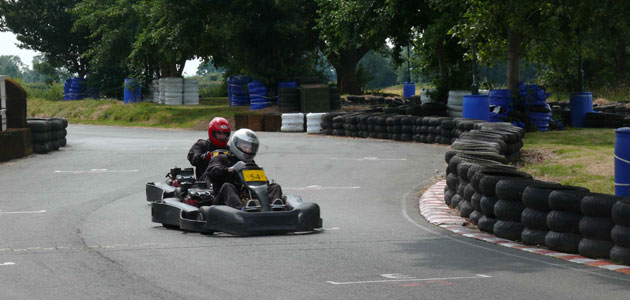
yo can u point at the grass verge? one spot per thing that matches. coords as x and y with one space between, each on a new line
112 112
582 157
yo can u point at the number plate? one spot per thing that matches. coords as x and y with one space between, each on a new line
254 175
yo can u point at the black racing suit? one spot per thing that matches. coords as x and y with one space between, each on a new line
195 157
227 185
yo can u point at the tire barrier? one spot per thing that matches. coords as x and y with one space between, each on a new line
74 89
314 123
292 122
190 92
237 90
48 134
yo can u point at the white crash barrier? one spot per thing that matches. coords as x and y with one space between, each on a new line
293 122
314 123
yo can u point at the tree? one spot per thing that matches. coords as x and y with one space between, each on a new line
349 29
270 40
11 65
47 26
505 29
425 26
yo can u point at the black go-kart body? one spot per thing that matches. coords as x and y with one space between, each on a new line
170 206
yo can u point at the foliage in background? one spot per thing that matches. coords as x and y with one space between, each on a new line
349 29
48 26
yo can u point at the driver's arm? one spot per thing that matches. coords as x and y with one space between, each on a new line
195 155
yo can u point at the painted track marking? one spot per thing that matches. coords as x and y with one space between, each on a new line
477 276
98 171
369 158
7 264
22 212
321 188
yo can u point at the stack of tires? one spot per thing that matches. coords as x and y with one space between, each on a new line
604 120
293 122
48 133
327 123
537 208
500 105
535 99
74 89
190 92
258 95
351 125
237 90
171 89
596 226
314 123
620 233
455 103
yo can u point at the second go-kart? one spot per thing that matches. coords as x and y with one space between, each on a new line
181 202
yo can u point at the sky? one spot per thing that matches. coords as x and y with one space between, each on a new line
8 46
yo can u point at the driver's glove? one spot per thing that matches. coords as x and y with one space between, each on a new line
239 166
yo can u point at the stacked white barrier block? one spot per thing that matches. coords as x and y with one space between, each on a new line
3 103
292 122
314 123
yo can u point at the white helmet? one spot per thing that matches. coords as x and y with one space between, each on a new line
244 144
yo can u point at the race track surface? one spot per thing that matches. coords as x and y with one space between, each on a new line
74 224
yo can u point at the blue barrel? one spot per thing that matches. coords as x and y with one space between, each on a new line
258 95
237 90
133 90
622 161
476 107
409 89
540 120
580 104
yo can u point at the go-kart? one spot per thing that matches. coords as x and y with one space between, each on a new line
181 202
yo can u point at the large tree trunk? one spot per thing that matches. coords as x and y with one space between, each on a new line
442 65
514 59
345 64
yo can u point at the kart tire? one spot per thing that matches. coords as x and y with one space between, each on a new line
562 241
509 210
486 224
620 235
595 248
620 255
465 209
475 216
596 228
598 205
564 221
512 190
621 213
533 237
535 219
567 200
487 205
508 230
475 201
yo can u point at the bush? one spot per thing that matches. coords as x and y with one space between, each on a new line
44 91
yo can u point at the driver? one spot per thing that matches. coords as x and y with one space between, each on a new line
223 170
201 152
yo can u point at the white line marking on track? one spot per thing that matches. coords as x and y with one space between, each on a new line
7 264
98 171
320 188
22 212
370 158
478 276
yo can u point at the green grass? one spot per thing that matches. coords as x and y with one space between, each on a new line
582 157
112 112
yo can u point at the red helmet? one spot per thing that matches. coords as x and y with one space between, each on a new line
219 124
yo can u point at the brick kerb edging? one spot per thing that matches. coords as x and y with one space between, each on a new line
434 209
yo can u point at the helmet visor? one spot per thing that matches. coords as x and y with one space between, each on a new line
222 136
247 147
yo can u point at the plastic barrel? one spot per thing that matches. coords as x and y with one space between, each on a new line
580 104
258 95
476 107
409 89
287 84
132 91
237 90
540 120
622 161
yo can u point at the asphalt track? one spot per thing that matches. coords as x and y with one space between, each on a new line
74 224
